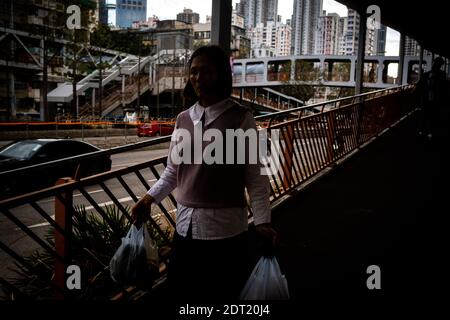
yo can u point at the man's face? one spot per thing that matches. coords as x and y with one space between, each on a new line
203 76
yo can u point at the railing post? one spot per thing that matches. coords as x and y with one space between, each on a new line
330 136
288 154
63 217
360 109
126 140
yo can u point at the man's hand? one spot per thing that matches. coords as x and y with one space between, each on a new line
140 212
266 230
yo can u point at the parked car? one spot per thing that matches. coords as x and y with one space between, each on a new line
154 129
24 153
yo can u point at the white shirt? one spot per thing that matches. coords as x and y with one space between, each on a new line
217 223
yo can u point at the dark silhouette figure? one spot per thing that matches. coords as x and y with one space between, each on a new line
209 256
433 90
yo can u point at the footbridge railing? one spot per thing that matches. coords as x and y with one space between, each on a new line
80 223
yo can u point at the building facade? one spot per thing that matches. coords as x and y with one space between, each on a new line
129 11
102 12
24 68
239 42
351 35
327 36
272 36
258 11
380 41
188 16
412 48
305 19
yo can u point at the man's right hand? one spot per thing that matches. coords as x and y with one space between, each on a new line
140 212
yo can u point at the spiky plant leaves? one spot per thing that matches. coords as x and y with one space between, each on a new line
94 242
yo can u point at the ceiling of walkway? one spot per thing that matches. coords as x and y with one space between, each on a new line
425 21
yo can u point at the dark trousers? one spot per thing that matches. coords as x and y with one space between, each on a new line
434 120
208 270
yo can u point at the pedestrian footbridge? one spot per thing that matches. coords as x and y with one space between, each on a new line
357 187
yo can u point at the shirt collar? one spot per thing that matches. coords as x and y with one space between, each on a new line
211 113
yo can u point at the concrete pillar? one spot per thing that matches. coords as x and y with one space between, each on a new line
266 66
293 70
221 24
401 62
380 67
330 70
361 53
352 69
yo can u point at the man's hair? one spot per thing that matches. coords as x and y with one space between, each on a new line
223 67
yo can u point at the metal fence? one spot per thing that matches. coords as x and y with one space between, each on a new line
308 144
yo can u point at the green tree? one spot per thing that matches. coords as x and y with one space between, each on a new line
124 41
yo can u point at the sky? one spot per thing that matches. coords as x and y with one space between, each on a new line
168 9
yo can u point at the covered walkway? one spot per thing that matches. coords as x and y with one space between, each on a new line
385 206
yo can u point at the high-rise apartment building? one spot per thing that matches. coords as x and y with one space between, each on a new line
305 19
272 35
351 35
258 11
412 48
129 11
327 36
380 41
188 16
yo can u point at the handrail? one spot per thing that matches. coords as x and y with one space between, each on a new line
309 145
142 144
316 105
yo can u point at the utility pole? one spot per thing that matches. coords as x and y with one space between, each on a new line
139 77
157 83
74 75
100 86
173 77
45 75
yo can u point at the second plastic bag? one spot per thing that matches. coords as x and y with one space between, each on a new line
266 282
136 260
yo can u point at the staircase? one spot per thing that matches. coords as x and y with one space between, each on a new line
113 98
127 66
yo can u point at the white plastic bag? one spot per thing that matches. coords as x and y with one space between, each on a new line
136 260
266 282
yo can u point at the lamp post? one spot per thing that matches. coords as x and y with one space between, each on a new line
139 77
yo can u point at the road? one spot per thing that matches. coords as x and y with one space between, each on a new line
131 158
17 240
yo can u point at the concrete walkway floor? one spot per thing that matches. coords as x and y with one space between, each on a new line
385 206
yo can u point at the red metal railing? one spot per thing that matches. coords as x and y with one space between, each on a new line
308 144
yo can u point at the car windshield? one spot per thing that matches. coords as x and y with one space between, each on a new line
21 150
